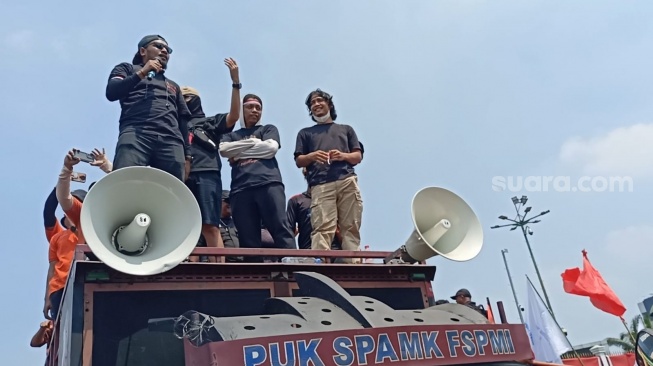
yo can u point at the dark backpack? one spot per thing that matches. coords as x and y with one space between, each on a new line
479 308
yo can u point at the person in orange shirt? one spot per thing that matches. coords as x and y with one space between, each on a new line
62 245
60 256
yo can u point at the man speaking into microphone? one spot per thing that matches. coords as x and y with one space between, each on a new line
153 126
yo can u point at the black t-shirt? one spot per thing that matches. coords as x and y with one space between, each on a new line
299 214
250 173
154 106
328 136
205 159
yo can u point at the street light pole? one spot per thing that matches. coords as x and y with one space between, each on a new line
514 294
522 223
537 271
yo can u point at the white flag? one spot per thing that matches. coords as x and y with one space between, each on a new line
547 340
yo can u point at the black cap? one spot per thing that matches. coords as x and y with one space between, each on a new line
147 39
144 42
462 291
225 195
80 194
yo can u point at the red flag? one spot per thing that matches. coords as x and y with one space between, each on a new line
589 282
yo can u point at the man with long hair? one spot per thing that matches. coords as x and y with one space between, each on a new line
329 151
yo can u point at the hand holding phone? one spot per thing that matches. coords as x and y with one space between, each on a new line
78 177
85 157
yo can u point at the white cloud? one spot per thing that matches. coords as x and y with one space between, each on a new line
630 244
625 151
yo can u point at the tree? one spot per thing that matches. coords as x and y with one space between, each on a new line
625 340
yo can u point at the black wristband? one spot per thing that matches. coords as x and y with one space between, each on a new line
237 86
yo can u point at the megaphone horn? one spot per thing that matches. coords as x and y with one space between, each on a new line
141 220
444 225
132 239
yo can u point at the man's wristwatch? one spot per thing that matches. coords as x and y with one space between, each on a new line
237 86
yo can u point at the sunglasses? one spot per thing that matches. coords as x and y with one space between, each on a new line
161 46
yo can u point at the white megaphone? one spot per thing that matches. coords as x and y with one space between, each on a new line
445 225
141 220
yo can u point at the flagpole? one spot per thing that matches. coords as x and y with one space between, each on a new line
623 321
646 359
514 294
555 321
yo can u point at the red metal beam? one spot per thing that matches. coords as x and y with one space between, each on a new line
83 248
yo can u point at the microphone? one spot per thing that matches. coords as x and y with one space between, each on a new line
152 73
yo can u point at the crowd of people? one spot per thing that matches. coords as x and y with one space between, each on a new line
164 126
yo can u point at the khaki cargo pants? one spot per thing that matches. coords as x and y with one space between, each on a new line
337 205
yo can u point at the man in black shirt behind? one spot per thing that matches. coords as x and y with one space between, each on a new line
205 133
228 230
330 151
153 129
257 191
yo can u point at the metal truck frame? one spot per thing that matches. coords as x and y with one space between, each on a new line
258 314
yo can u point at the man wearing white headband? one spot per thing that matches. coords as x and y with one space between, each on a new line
257 191
330 151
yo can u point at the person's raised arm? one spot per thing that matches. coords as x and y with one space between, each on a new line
101 161
63 184
52 226
122 79
234 110
50 209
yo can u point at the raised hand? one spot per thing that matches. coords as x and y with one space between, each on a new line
100 157
233 69
70 160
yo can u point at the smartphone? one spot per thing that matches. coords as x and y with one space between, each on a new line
85 157
78 177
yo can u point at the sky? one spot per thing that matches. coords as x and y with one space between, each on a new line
465 95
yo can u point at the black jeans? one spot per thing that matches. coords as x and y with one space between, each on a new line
262 205
142 149
55 300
